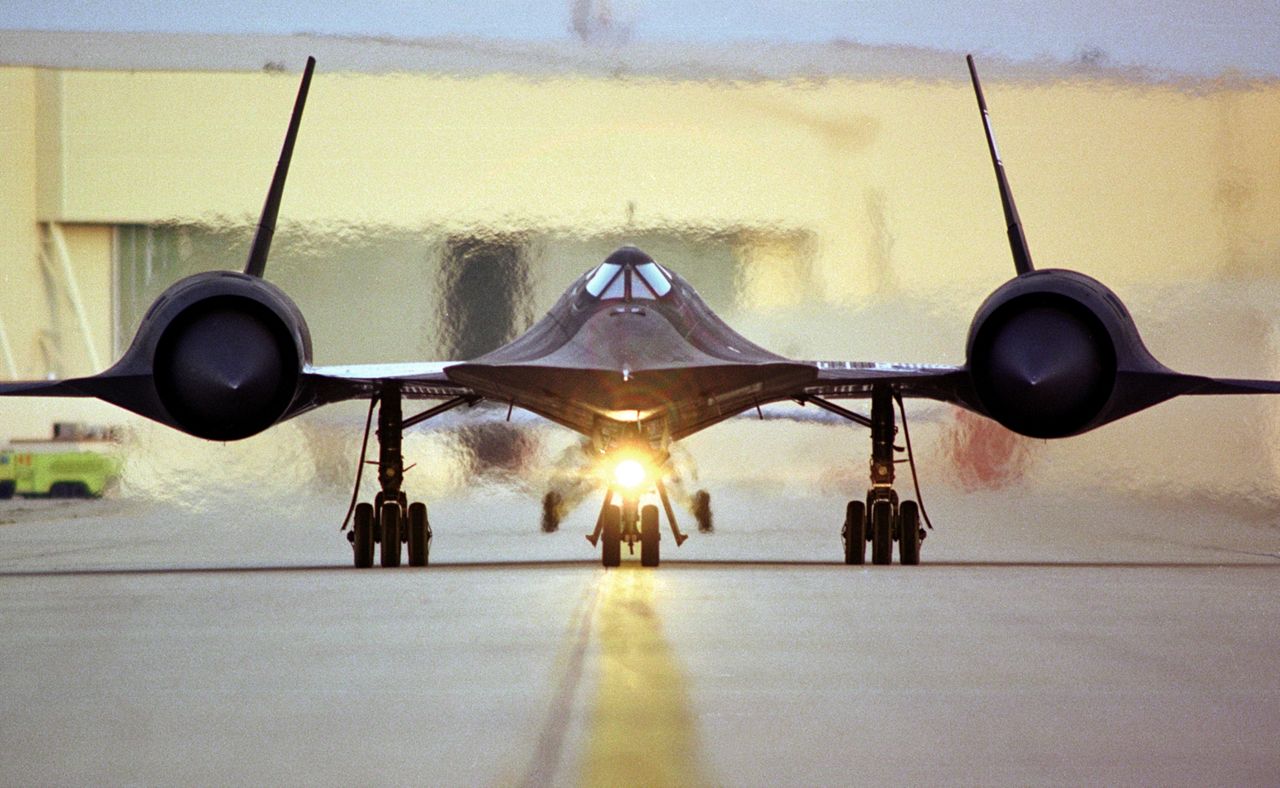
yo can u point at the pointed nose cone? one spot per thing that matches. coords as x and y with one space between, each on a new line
227 362
1043 371
1046 372
223 373
628 255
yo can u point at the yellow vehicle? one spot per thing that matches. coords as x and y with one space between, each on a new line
7 482
63 474
72 464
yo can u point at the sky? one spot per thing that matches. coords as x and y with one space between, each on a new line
1204 37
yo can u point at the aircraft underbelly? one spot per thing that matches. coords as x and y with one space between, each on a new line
576 397
630 363
608 390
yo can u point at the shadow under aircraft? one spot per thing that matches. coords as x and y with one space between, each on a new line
632 358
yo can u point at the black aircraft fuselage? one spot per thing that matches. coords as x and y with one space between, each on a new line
624 354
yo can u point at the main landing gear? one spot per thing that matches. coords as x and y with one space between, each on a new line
391 521
632 524
882 519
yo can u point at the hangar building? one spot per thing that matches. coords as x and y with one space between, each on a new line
832 201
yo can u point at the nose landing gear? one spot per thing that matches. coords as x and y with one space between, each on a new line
632 524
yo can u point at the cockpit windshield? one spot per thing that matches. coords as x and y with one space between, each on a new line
629 274
602 277
655 278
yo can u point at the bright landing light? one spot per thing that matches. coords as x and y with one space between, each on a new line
629 473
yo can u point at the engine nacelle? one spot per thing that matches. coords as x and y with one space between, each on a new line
1044 351
225 352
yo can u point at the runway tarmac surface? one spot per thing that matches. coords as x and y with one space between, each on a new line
143 643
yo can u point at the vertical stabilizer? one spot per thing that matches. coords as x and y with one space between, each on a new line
267 223
1017 241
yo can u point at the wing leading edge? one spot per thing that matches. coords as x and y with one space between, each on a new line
420 380
1134 389
855 380
316 386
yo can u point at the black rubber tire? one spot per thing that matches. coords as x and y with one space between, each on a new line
390 522
363 530
882 532
419 535
611 537
7 488
855 533
650 538
69 490
552 503
702 511
909 533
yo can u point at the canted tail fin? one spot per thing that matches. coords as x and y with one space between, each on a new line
1017 240
257 263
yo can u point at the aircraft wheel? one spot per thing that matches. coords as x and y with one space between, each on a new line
855 533
363 529
419 535
649 536
611 537
909 533
551 504
881 532
702 511
390 520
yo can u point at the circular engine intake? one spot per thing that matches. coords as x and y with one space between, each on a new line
1043 365
226 368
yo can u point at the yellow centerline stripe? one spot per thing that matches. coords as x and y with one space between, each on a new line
642 730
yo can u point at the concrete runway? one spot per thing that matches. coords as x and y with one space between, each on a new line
147 644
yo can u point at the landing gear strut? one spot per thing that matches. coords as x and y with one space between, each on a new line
881 519
390 521
632 524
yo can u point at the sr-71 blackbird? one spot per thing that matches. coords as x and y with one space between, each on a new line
634 360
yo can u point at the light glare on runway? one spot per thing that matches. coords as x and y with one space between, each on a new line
642 728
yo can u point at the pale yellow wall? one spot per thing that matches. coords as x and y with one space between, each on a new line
889 182
19 238
40 325
1135 175
89 250
39 320
50 144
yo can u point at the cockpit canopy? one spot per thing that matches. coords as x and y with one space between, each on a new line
629 274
